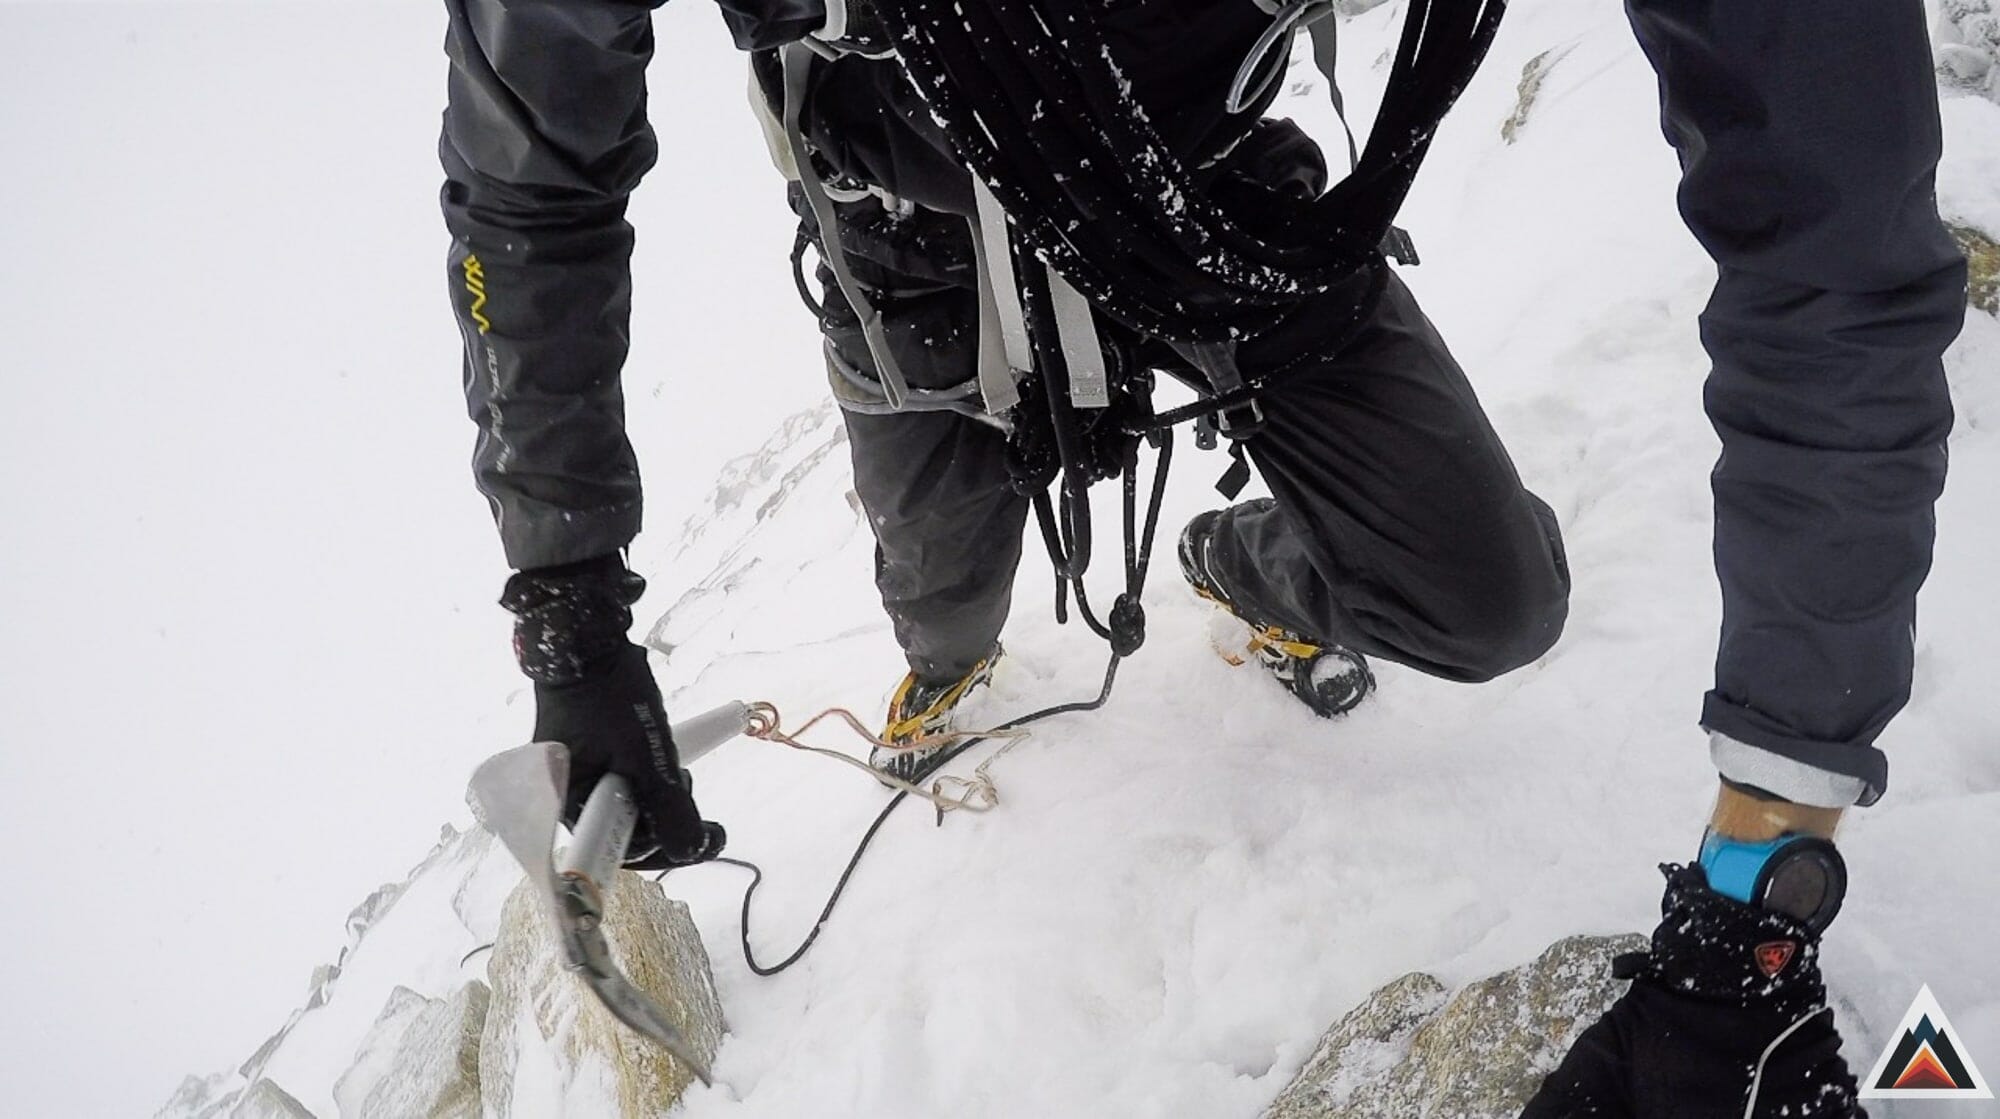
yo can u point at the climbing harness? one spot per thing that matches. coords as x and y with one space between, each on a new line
1081 209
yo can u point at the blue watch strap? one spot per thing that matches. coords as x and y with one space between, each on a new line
1733 865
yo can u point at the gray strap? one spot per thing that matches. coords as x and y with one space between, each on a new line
773 129
997 385
836 21
1323 31
855 391
1000 305
1217 361
1089 386
798 65
999 262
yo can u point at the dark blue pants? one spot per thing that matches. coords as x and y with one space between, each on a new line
1809 136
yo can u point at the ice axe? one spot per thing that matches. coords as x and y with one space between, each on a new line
518 796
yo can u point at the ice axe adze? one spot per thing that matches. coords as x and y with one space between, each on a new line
518 796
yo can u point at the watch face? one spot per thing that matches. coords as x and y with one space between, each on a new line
1806 879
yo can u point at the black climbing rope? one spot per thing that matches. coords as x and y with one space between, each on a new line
1033 102
881 818
1125 630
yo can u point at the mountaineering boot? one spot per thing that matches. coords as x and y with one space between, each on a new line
1330 679
920 710
1726 1016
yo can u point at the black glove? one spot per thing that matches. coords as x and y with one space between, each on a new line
1728 1002
595 694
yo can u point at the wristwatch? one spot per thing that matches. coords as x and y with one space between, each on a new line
1797 875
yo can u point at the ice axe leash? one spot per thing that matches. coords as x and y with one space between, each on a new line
517 795
1012 730
1124 630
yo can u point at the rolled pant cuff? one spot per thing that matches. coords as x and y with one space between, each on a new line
1783 770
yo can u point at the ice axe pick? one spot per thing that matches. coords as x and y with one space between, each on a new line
518 796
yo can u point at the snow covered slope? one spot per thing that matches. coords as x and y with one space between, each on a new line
1180 891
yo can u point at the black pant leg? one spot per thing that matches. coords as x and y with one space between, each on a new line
545 137
1809 138
947 532
1400 527
934 484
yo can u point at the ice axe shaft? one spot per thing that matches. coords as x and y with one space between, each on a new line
518 795
698 734
597 843
604 828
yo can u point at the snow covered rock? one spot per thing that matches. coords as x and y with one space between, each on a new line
222 1096
376 1055
420 1059
199 1097
1982 259
265 1100
1533 73
550 1048
1967 39
1362 1046
1409 1050
411 934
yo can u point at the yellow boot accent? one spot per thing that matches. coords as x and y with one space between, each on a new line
934 718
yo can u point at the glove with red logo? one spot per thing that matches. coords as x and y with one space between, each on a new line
1726 1016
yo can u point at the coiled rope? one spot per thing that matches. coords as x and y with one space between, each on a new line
1035 105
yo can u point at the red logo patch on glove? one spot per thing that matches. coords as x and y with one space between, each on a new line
1773 956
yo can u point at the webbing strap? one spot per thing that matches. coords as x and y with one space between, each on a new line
998 378
1000 306
798 61
998 259
1076 329
835 28
1217 361
1323 30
